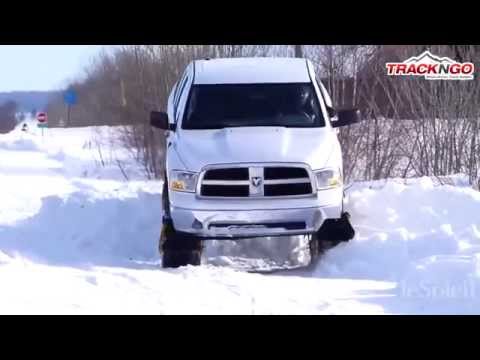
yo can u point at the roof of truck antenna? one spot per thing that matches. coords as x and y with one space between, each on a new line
251 70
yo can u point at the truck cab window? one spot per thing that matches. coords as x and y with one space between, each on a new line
243 105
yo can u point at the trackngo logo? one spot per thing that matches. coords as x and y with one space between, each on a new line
432 68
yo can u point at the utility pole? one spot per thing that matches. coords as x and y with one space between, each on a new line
68 115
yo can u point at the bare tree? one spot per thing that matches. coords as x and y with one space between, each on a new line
413 126
8 119
298 51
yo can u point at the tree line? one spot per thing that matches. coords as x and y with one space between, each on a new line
413 126
8 116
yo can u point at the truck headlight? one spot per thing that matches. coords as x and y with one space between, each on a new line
183 181
328 178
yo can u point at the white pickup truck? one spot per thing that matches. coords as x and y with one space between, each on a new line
252 151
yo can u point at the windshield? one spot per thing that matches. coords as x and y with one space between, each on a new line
234 105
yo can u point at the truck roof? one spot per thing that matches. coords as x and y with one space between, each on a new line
251 70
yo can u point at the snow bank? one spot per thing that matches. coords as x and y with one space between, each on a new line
420 235
86 227
19 145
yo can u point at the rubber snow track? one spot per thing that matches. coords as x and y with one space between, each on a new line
75 237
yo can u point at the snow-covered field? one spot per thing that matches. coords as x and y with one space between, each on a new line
76 237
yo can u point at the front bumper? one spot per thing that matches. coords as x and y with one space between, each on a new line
251 223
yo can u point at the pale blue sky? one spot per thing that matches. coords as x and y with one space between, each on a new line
42 67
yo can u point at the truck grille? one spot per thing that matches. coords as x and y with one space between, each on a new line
256 181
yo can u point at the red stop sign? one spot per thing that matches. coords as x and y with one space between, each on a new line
42 118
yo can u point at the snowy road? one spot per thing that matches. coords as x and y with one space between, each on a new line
75 237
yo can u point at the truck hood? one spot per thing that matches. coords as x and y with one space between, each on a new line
198 148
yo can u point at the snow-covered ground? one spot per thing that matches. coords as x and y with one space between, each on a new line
76 237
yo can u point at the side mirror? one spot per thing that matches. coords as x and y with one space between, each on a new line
159 120
331 112
347 117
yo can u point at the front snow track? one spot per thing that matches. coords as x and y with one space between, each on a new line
76 237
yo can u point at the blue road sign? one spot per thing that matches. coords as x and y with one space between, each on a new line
70 97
